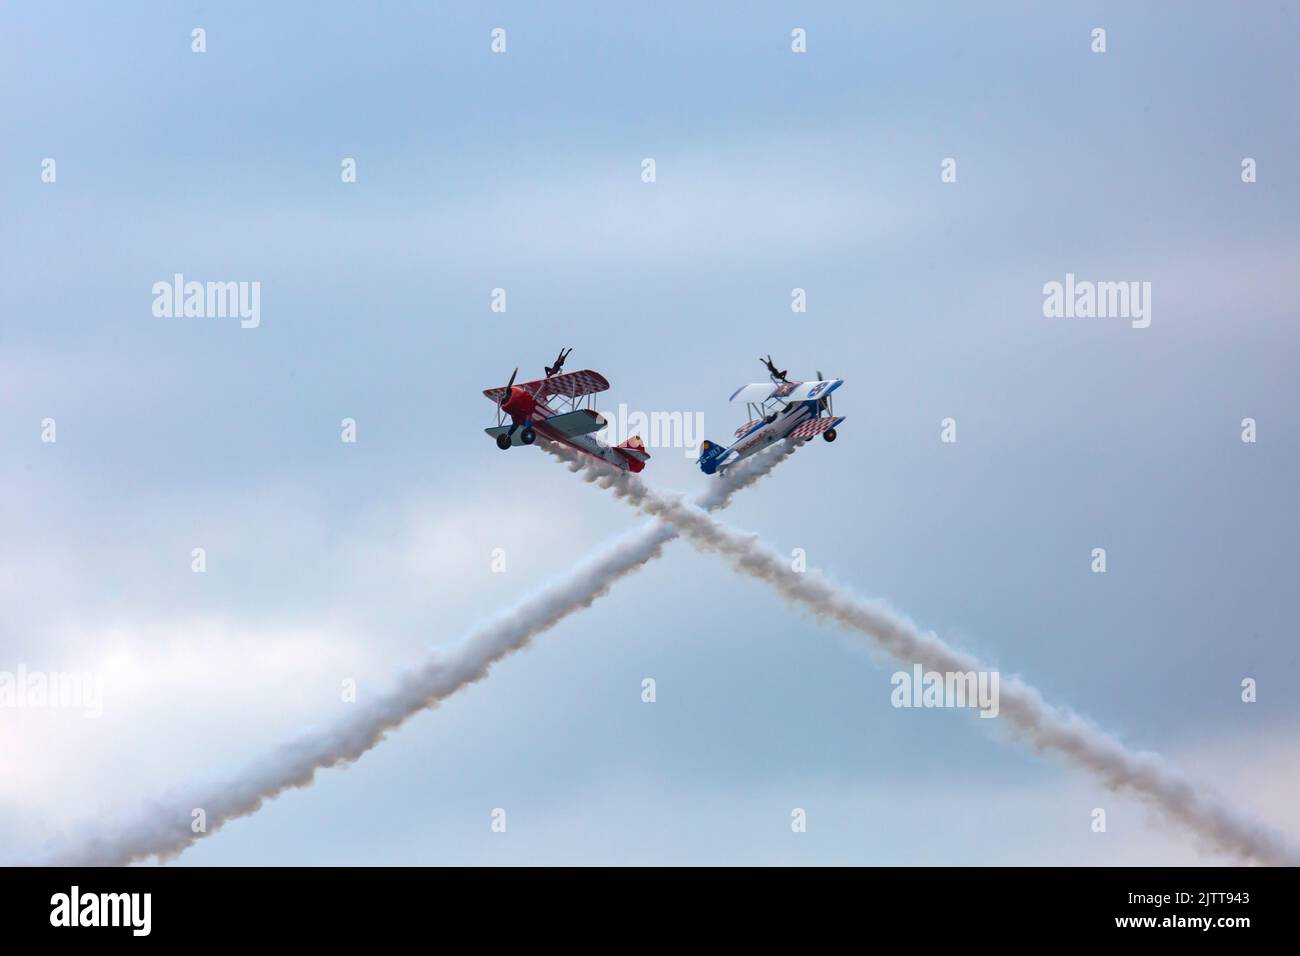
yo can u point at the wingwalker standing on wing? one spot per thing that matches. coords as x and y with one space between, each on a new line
779 409
554 407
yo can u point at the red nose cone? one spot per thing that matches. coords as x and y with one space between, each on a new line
518 404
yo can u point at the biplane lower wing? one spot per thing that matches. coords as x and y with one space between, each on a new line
516 439
582 422
569 425
813 427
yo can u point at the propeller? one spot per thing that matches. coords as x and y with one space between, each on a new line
825 404
501 400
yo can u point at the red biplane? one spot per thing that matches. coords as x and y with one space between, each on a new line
559 408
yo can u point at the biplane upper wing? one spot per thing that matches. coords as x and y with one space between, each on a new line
573 384
805 391
569 385
757 393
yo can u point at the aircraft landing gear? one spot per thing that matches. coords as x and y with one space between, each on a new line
829 434
503 441
528 436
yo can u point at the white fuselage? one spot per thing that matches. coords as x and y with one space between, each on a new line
755 436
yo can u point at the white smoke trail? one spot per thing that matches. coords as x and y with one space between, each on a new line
1045 727
165 827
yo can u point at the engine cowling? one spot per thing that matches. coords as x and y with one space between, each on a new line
519 404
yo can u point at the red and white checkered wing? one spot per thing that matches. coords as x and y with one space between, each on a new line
813 427
573 384
568 385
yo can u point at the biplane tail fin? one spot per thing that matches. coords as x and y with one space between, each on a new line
710 452
634 451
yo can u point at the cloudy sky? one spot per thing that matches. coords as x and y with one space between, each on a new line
329 561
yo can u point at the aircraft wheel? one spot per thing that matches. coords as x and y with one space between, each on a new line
528 436
829 434
503 441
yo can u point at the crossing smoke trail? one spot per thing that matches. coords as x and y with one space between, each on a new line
164 828
1044 726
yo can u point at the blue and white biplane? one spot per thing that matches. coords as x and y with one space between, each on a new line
777 409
